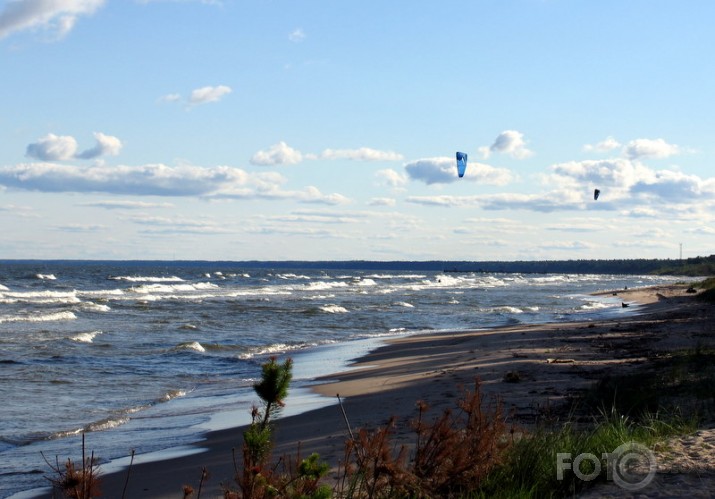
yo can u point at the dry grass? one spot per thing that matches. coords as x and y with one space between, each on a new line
452 454
75 482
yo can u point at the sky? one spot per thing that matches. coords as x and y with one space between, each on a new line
327 130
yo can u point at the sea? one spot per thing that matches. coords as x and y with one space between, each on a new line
146 357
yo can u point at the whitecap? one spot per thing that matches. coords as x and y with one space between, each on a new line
404 304
147 278
366 282
322 285
194 345
506 309
277 348
107 424
172 288
94 307
58 297
333 309
594 305
54 316
85 337
4 288
47 277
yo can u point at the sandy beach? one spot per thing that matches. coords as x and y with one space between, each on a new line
552 362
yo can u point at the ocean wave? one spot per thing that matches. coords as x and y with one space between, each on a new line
172 288
94 307
191 345
366 282
51 317
4 288
403 304
333 309
46 277
278 348
85 337
293 276
506 309
56 297
594 305
323 285
396 276
145 278
171 395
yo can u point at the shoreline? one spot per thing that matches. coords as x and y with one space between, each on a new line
553 360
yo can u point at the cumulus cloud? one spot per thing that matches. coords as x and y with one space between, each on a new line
650 148
297 35
282 154
676 187
179 225
608 144
57 16
208 94
159 180
443 170
53 147
510 142
624 178
155 179
361 154
391 178
62 148
106 146
278 154
445 200
199 96
127 205
382 202
313 195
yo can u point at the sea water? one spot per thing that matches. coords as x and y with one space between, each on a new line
148 356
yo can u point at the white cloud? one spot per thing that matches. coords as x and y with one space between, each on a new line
361 154
208 94
127 205
62 148
631 181
701 230
313 195
170 98
608 144
567 245
106 146
509 142
81 227
443 170
650 148
55 16
278 154
53 147
676 187
391 178
180 225
297 35
382 202
160 180
444 200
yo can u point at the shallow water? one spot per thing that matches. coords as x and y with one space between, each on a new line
147 356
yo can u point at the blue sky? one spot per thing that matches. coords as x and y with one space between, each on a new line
291 129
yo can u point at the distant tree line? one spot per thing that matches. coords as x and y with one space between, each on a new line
697 266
